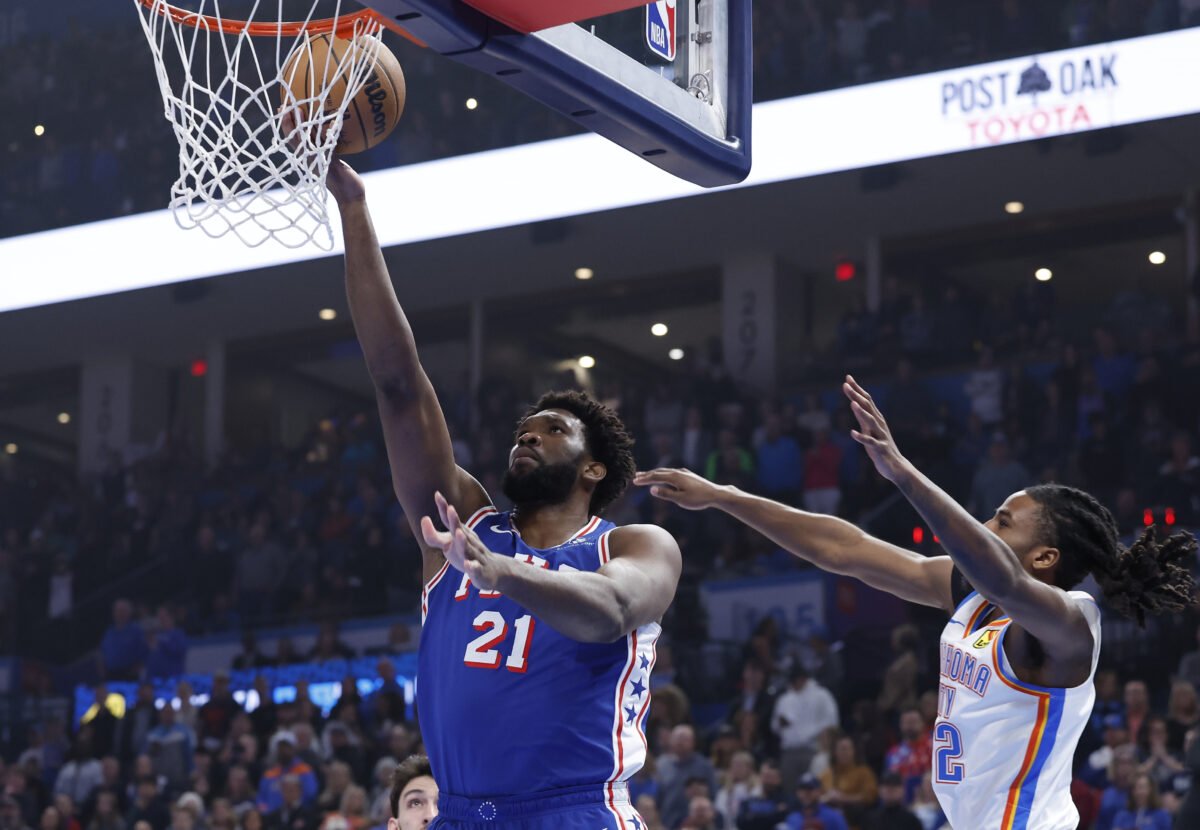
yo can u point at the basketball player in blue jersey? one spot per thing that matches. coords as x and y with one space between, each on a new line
539 624
1020 650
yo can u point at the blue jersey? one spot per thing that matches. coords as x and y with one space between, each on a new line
508 705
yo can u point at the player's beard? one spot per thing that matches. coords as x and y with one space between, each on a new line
544 484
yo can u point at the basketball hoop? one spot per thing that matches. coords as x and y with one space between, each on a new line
222 82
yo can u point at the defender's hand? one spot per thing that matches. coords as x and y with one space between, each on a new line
873 432
462 547
681 487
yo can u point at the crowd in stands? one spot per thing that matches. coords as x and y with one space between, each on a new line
788 750
107 151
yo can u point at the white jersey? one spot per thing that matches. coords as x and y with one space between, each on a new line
1002 748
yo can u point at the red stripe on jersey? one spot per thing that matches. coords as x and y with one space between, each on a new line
621 711
478 515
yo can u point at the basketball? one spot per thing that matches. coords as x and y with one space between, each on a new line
373 113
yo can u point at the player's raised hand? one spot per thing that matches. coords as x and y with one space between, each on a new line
681 487
344 183
341 179
461 546
873 432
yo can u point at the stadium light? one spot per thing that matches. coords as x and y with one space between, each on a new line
675 354
64 417
472 103
327 314
1157 257
1043 274
587 361
1014 207
584 273
659 329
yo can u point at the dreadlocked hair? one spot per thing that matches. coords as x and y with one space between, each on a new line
1148 577
607 441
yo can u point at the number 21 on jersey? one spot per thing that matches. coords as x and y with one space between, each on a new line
482 652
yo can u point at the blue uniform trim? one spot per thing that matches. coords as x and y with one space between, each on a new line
1045 748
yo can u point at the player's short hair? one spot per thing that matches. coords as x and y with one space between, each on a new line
1148 577
607 441
414 766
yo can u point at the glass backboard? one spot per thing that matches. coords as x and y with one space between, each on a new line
670 80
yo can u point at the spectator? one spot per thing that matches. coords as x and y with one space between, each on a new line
147 805
849 784
260 568
10 814
166 646
123 649
912 756
1157 759
337 781
754 697
675 768
82 773
250 657
1188 814
809 807
110 772
1094 771
998 477
66 812
985 388
925 805
287 766
51 819
170 744
381 783
239 790
136 725
780 463
822 480
813 419
1144 809
353 808
1189 665
293 812
801 714
413 796
1183 713
700 815
1116 795
106 816
738 784
770 809
730 463
648 810
329 646
101 721
218 713
891 814
1178 483
899 690
1137 706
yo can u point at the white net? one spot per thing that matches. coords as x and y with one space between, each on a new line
225 93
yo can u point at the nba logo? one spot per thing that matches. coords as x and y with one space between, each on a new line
660 29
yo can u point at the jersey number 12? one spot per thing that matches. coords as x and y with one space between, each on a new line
482 652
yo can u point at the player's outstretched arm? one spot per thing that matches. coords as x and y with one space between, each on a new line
632 589
414 427
828 542
985 560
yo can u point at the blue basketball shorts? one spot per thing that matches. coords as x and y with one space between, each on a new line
571 808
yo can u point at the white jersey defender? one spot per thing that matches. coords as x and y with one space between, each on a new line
1002 748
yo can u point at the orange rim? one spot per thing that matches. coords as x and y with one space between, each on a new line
339 26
